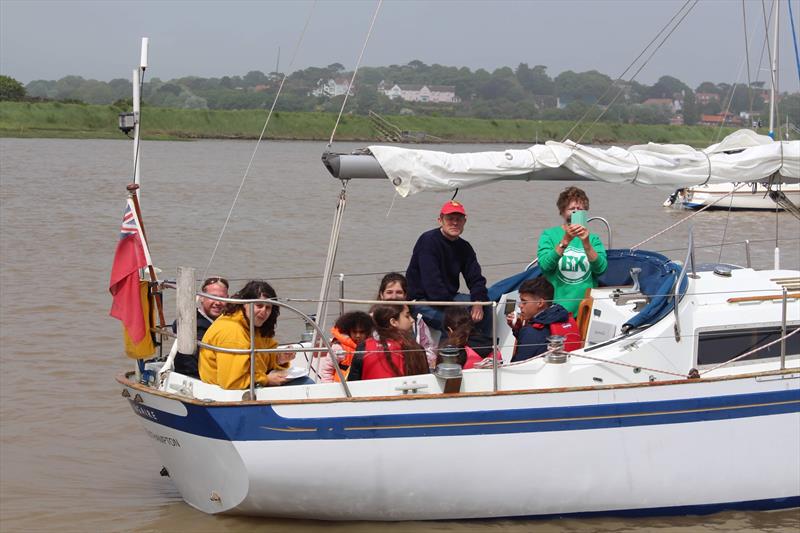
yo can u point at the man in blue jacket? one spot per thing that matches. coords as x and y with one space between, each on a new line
440 257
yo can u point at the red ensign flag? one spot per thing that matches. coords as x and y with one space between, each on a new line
131 255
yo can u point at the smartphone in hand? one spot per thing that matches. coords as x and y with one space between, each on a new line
579 217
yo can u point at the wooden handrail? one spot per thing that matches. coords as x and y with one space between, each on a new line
771 297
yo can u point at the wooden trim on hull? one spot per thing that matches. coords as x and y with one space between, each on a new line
123 379
771 297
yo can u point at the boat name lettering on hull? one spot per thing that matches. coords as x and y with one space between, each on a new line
163 439
144 412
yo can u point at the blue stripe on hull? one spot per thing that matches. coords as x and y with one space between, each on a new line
261 423
771 504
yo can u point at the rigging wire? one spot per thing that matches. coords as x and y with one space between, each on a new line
725 229
333 243
632 63
746 62
794 39
761 54
355 71
730 102
286 277
260 137
684 219
747 59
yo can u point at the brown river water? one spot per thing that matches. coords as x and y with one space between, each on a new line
73 456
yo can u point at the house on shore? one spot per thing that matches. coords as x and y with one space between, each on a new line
722 119
706 98
440 94
332 88
673 105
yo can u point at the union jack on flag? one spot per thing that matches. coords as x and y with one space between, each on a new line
131 228
129 225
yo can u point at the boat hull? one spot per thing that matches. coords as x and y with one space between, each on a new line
744 198
688 446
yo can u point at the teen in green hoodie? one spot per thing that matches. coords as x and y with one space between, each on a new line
570 257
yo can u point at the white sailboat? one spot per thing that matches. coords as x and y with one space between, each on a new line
684 399
662 411
752 196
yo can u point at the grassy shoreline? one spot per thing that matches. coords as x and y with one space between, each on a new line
78 121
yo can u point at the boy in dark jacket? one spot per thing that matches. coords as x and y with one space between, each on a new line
538 317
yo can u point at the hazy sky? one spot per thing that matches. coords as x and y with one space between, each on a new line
50 39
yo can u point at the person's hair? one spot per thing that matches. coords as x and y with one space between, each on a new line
414 356
256 290
353 320
390 278
538 287
458 325
213 281
568 195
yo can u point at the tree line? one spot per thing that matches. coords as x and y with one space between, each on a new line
522 93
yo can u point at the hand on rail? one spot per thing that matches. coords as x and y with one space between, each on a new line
477 313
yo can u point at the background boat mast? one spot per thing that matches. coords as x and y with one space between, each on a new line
774 70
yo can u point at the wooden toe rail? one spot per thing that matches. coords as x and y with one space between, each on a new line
766 298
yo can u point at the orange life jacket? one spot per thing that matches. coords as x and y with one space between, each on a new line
349 346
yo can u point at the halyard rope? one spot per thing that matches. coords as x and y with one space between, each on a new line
260 137
355 71
619 92
725 229
684 219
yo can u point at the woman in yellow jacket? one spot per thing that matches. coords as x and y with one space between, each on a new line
232 330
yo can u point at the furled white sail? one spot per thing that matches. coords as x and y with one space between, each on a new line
669 165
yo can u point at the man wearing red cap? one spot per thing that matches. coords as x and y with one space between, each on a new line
440 257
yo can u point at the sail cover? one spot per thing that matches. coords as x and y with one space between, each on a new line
742 156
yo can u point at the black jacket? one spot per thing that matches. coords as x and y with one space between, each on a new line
186 364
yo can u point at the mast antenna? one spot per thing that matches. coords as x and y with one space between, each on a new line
138 82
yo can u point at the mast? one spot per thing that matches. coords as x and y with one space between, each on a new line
774 87
138 76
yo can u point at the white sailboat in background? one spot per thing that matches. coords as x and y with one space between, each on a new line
753 196
684 399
